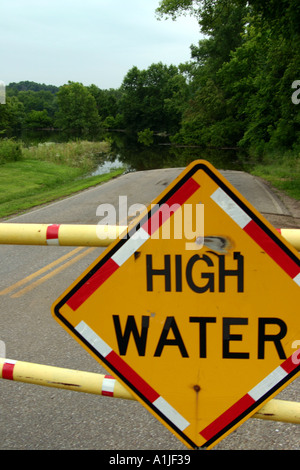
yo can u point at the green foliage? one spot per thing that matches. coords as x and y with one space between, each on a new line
77 154
30 183
37 102
111 122
106 102
173 8
14 88
153 98
47 172
241 74
10 151
234 92
282 170
77 113
11 117
145 137
38 120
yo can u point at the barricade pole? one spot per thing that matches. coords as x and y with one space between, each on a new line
84 235
280 410
67 379
105 385
292 236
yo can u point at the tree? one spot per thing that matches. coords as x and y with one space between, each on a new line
153 98
174 8
77 112
11 117
38 120
107 102
280 14
35 98
242 72
208 119
14 88
38 101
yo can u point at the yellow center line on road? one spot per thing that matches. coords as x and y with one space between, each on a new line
41 271
32 276
52 273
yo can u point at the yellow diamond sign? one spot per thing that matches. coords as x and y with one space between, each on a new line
194 309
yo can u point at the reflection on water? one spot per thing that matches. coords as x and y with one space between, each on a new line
108 165
137 157
128 153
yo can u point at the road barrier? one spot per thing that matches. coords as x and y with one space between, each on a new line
106 385
84 235
87 382
292 236
56 234
67 379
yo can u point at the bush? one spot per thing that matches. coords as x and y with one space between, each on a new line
79 154
10 151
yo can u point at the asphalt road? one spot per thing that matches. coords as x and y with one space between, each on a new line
32 278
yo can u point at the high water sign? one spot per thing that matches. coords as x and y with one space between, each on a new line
194 309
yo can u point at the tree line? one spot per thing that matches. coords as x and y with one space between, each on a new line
235 91
242 74
151 98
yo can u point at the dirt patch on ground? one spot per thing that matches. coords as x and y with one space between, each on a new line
293 206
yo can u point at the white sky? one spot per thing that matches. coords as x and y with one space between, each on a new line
88 41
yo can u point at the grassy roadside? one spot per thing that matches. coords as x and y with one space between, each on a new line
47 173
40 174
282 172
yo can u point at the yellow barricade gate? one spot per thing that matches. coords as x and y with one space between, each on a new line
106 385
87 382
83 235
238 243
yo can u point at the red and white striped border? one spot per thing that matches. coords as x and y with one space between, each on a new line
108 386
248 225
52 234
254 231
8 369
254 395
128 373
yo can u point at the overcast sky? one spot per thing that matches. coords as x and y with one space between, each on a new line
88 41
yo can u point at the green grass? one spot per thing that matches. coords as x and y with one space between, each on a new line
48 172
283 172
34 180
79 154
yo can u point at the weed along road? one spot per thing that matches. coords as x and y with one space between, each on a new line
33 277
